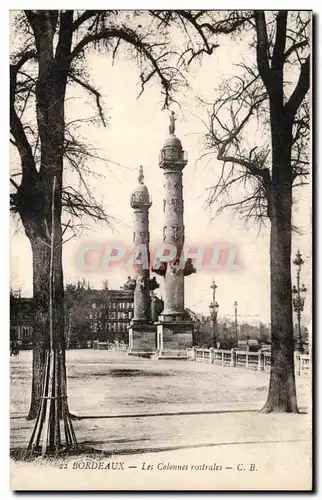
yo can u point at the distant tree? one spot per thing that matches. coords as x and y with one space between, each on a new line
205 332
224 336
264 334
77 314
129 284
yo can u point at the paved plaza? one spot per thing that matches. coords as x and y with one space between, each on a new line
133 408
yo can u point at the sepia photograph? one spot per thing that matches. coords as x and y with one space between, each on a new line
161 213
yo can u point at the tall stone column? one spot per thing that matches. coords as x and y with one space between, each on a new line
173 233
175 329
142 333
141 203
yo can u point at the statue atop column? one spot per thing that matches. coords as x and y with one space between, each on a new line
172 126
141 175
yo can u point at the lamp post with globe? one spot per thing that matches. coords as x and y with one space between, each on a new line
299 295
236 324
214 306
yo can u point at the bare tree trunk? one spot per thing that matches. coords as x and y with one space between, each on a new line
282 390
48 436
34 193
41 260
52 157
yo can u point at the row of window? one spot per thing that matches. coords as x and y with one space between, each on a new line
118 327
116 305
113 327
112 315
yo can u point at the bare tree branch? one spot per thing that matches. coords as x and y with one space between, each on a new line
295 47
93 91
256 96
280 41
16 127
262 50
78 205
137 42
87 14
300 91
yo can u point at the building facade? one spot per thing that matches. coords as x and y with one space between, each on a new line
90 315
21 320
110 313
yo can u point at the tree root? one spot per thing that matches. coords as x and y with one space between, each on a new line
270 408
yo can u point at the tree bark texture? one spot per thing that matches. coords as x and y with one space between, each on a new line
282 389
50 107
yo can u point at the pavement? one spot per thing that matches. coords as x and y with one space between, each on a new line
172 414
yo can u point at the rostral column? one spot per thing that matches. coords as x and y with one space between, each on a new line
175 329
142 331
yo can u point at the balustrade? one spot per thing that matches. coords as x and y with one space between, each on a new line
247 359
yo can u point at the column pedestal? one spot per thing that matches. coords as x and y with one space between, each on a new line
173 338
142 339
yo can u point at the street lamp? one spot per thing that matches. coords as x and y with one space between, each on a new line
298 295
93 324
236 325
214 306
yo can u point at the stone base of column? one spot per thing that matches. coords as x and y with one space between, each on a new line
142 340
173 338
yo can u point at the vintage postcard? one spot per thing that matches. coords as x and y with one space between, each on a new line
161 250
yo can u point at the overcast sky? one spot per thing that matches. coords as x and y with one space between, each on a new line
135 134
